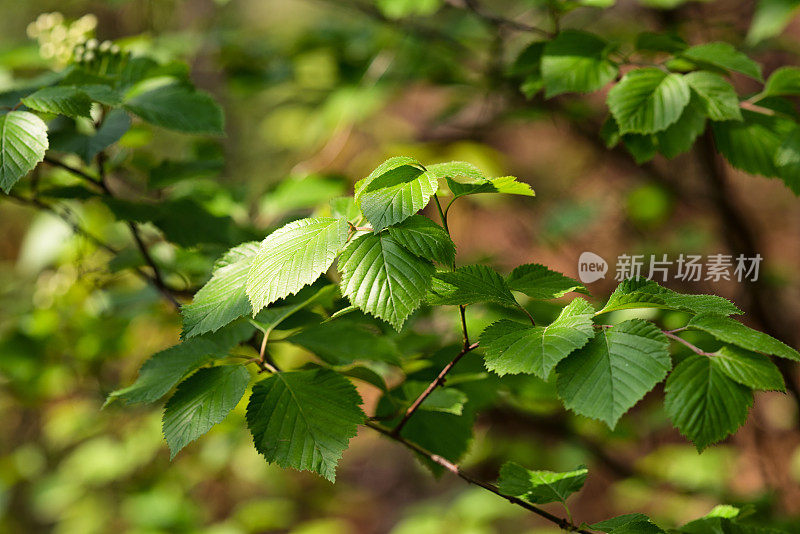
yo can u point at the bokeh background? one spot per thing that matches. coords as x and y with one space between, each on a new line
316 93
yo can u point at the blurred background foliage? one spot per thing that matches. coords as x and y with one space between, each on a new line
315 94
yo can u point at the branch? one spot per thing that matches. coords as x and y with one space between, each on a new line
77 172
496 20
438 381
453 468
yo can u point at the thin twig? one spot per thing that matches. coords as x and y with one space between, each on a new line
76 172
438 381
694 348
453 468
496 20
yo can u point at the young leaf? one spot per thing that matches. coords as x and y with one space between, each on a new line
605 378
470 284
540 487
457 170
703 403
443 399
731 331
425 238
724 56
383 278
200 402
511 347
681 135
67 101
23 142
648 100
644 293
542 283
770 19
222 299
343 342
750 369
178 107
576 61
716 96
395 191
304 419
293 256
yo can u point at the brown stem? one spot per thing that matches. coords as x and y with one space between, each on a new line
438 381
453 468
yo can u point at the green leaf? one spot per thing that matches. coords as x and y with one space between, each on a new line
442 399
67 101
752 145
504 184
787 160
344 342
716 96
605 378
222 299
770 19
396 190
542 283
470 284
621 522
200 402
292 257
457 170
540 487
643 148
178 107
164 369
660 42
102 94
425 238
703 403
576 61
511 347
750 369
644 293
114 126
383 278
444 434
304 419
724 56
681 135
731 331
23 142
648 100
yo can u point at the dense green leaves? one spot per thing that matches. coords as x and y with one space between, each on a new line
511 347
540 487
576 61
703 402
67 101
383 278
680 136
724 56
304 419
202 401
604 379
644 293
470 284
394 191
23 142
222 299
178 107
293 256
540 282
731 331
717 97
425 238
648 100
